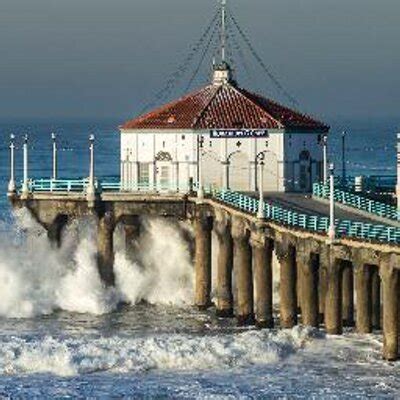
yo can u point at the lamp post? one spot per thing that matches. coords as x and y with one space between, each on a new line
332 231
54 140
11 183
200 189
325 157
25 187
91 191
225 182
260 214
227 164
344 134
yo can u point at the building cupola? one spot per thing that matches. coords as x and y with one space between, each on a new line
222 74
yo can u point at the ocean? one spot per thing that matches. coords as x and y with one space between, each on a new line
63 335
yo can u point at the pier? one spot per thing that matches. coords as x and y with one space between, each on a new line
352 280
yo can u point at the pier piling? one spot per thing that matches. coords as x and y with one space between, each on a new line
286 254
363 293
132 230
333 301
390 288
309 263
348 294
105 248
243 273
376 298
262 248
224 266
203 228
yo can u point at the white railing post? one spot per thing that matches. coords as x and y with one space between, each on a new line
332 231
25 186
325 157
91 190
260 214
11 184
54 140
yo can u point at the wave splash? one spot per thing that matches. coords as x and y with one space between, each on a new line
36 279
178 352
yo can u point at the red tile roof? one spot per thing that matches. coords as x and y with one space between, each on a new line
225 107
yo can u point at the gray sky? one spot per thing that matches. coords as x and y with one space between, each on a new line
106 58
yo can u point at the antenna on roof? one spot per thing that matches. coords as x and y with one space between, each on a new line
223 31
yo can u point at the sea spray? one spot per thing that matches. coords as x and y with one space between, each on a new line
29 270
37 279
164 274
80 289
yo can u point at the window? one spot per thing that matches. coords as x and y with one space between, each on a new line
144 174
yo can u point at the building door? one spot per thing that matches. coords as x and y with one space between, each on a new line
164 181
305 171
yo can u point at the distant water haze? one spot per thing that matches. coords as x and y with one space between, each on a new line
99 59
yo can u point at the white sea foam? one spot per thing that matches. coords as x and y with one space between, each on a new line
163 352
36 279
165 273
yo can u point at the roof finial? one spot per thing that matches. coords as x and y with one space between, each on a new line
222 71
223 31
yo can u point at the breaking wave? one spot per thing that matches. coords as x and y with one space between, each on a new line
36 279
177 352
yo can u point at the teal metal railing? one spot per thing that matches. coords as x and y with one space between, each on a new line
248 204
359 202
314 223
106 185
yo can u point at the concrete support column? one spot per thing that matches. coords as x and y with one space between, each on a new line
132 230
203 227
288 290
309 263
324 263
376 298
363 293
390 288
105 248
222 230
333 299
262 263
348 294
243 273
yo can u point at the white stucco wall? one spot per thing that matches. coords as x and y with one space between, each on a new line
281 171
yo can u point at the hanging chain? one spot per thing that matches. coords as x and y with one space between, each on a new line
261 62
202 58
183 68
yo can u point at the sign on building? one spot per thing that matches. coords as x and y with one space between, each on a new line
238 133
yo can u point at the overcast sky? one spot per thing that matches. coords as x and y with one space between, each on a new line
107 58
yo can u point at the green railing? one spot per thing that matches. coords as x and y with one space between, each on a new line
322 191
106 185
280 215
344 228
